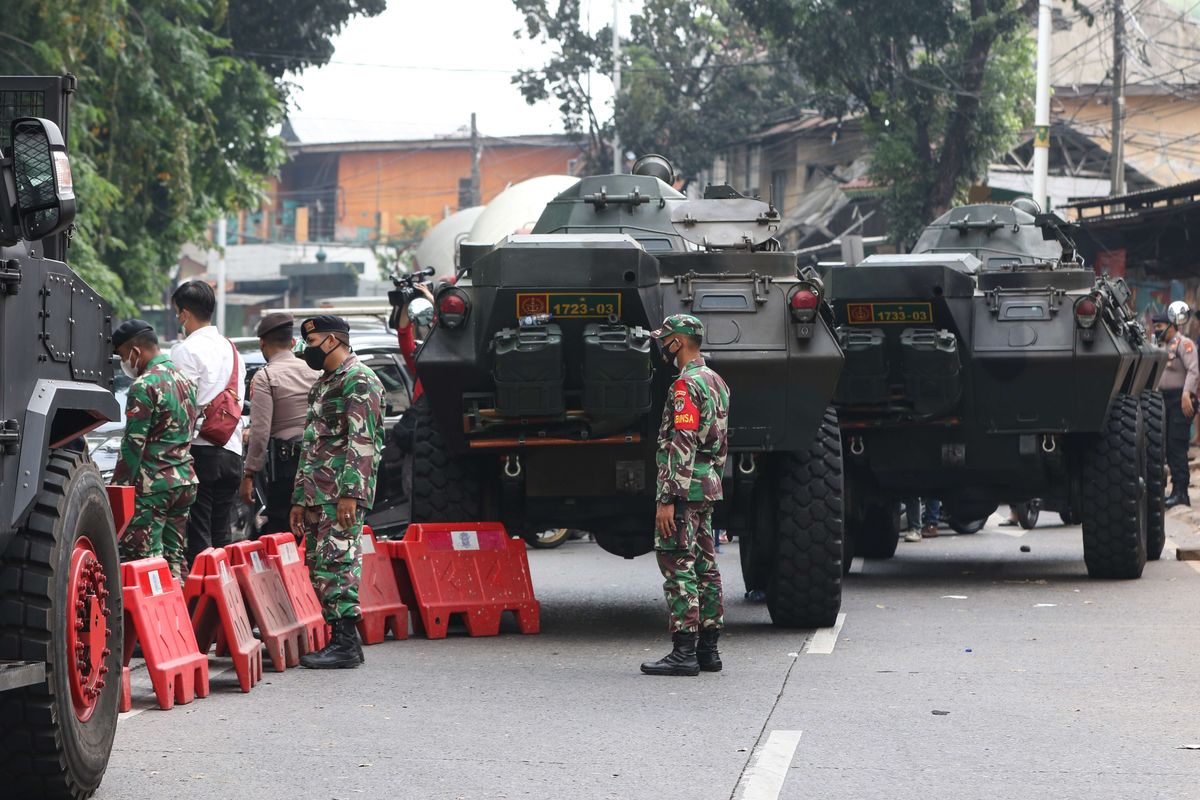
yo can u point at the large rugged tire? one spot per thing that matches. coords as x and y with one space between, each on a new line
756 545
1154 412
877 533
805 587
54 746
445 488
1028 513
1114 495
966 527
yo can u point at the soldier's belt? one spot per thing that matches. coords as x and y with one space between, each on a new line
286 449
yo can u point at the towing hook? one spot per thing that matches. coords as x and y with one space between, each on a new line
1049 443
747 464
512 466
856 445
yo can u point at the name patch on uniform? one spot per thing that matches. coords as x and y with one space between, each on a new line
687 416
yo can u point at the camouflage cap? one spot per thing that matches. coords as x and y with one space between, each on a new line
685 324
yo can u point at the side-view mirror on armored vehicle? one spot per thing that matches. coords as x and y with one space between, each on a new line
42 172
1178 313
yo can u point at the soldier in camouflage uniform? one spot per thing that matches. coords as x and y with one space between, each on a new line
156 456
335 481
692 446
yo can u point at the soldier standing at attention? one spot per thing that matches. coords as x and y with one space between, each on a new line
156 456
278 410
335 482
692 445
1179 396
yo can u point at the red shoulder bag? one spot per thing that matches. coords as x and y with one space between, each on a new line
222 415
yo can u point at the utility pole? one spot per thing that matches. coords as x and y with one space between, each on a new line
475 193
618 161
1118 99
1041 114
221 236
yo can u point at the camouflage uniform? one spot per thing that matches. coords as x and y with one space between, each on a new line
156 458
343 441
692 446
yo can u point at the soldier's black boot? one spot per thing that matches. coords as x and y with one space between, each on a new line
343 651
1178 499
680 661
706 650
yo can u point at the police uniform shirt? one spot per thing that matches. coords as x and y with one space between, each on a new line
278 404
1182 372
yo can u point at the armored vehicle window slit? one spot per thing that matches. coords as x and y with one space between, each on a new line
1024 311
724 302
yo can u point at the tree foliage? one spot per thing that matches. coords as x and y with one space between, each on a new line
285 36
169 128
941 85
694 77
394 255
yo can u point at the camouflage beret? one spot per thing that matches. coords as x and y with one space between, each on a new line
684 324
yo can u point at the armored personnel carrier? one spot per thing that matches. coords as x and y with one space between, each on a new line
60 582
991 366
543 396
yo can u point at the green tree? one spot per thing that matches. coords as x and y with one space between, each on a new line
941 85
169 127
694 78
697 77
285 36
395 253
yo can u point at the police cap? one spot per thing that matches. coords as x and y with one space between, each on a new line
273 322
326 323
128 330
1159 317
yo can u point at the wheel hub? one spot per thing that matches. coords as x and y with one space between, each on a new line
88 628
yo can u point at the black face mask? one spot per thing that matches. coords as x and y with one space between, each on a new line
314 356
1160 335
666 354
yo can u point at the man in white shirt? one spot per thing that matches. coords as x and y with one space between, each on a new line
207 358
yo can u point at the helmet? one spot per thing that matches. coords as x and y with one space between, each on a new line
1178 313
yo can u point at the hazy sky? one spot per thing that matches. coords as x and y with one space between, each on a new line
419 69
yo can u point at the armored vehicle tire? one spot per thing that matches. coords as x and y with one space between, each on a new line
549 539
967 526
877 533
1154 413
756 547
58 735
445 488
1028 513
805 586
1114 495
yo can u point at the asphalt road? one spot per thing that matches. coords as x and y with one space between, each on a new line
964 668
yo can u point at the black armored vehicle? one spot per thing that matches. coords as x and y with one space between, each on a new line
991 366
543 393
60 582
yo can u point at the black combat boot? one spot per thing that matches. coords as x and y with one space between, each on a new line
680 661
706 650
343 651
1178 499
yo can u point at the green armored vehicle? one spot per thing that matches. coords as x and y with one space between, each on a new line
991 366
60 581
543 391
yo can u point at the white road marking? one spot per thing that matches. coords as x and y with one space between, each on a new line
823 639
857 565
763 780
150 701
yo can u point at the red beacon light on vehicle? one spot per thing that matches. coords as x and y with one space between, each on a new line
803 303
1087 309
453 307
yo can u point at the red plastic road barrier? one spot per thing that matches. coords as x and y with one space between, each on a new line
469 568
288 561
379 595
120 500
219 615
270 608
156 616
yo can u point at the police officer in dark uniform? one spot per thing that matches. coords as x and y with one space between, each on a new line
278 405
1178 388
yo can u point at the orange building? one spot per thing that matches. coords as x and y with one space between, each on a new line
357 191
